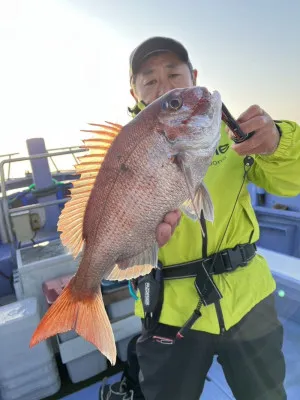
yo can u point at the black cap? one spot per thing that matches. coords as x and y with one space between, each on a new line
154 45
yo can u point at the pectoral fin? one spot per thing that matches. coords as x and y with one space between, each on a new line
201 201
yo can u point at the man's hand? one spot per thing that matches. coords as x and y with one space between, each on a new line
266 137
165 229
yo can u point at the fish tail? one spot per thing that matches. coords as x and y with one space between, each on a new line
86 316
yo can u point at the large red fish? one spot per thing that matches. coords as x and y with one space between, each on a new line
132 177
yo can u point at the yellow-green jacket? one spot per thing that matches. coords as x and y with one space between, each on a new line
242 289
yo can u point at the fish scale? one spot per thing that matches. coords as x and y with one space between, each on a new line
133 176
147 192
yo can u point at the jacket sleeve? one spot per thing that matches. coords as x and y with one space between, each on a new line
279 173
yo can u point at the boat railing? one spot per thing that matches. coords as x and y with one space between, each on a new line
5 211
9 155
73 149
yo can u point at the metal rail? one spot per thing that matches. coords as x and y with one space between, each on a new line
39 205
8 155
5 209
72 151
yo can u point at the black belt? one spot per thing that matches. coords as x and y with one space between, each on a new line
224 261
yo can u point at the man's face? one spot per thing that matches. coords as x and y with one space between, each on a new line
159 74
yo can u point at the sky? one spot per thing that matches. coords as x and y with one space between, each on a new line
65 62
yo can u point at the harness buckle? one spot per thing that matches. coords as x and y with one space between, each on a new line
233 258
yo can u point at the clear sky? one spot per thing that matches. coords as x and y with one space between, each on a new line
65 62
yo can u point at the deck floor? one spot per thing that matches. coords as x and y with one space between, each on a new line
217 388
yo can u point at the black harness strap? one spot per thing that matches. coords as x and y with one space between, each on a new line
224 261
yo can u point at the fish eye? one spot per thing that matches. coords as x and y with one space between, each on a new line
173 104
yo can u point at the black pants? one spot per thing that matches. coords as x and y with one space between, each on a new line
250 354
131 370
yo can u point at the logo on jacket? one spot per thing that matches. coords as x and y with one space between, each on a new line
220 154
222 149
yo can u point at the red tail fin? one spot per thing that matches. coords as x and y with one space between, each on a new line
87 317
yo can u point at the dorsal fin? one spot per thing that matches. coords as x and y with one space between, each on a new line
70 222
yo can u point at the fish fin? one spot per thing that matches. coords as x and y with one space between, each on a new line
88 168
201 201
204 202
119 274
188 208
87 316
139 265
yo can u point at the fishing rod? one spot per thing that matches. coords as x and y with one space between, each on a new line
239 135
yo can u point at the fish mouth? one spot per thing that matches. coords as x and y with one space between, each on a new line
204 112
202 105
204 108
200 108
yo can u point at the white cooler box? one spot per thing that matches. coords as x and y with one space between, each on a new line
38 264
82 359
25 373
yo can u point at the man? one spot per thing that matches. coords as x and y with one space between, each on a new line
230 311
